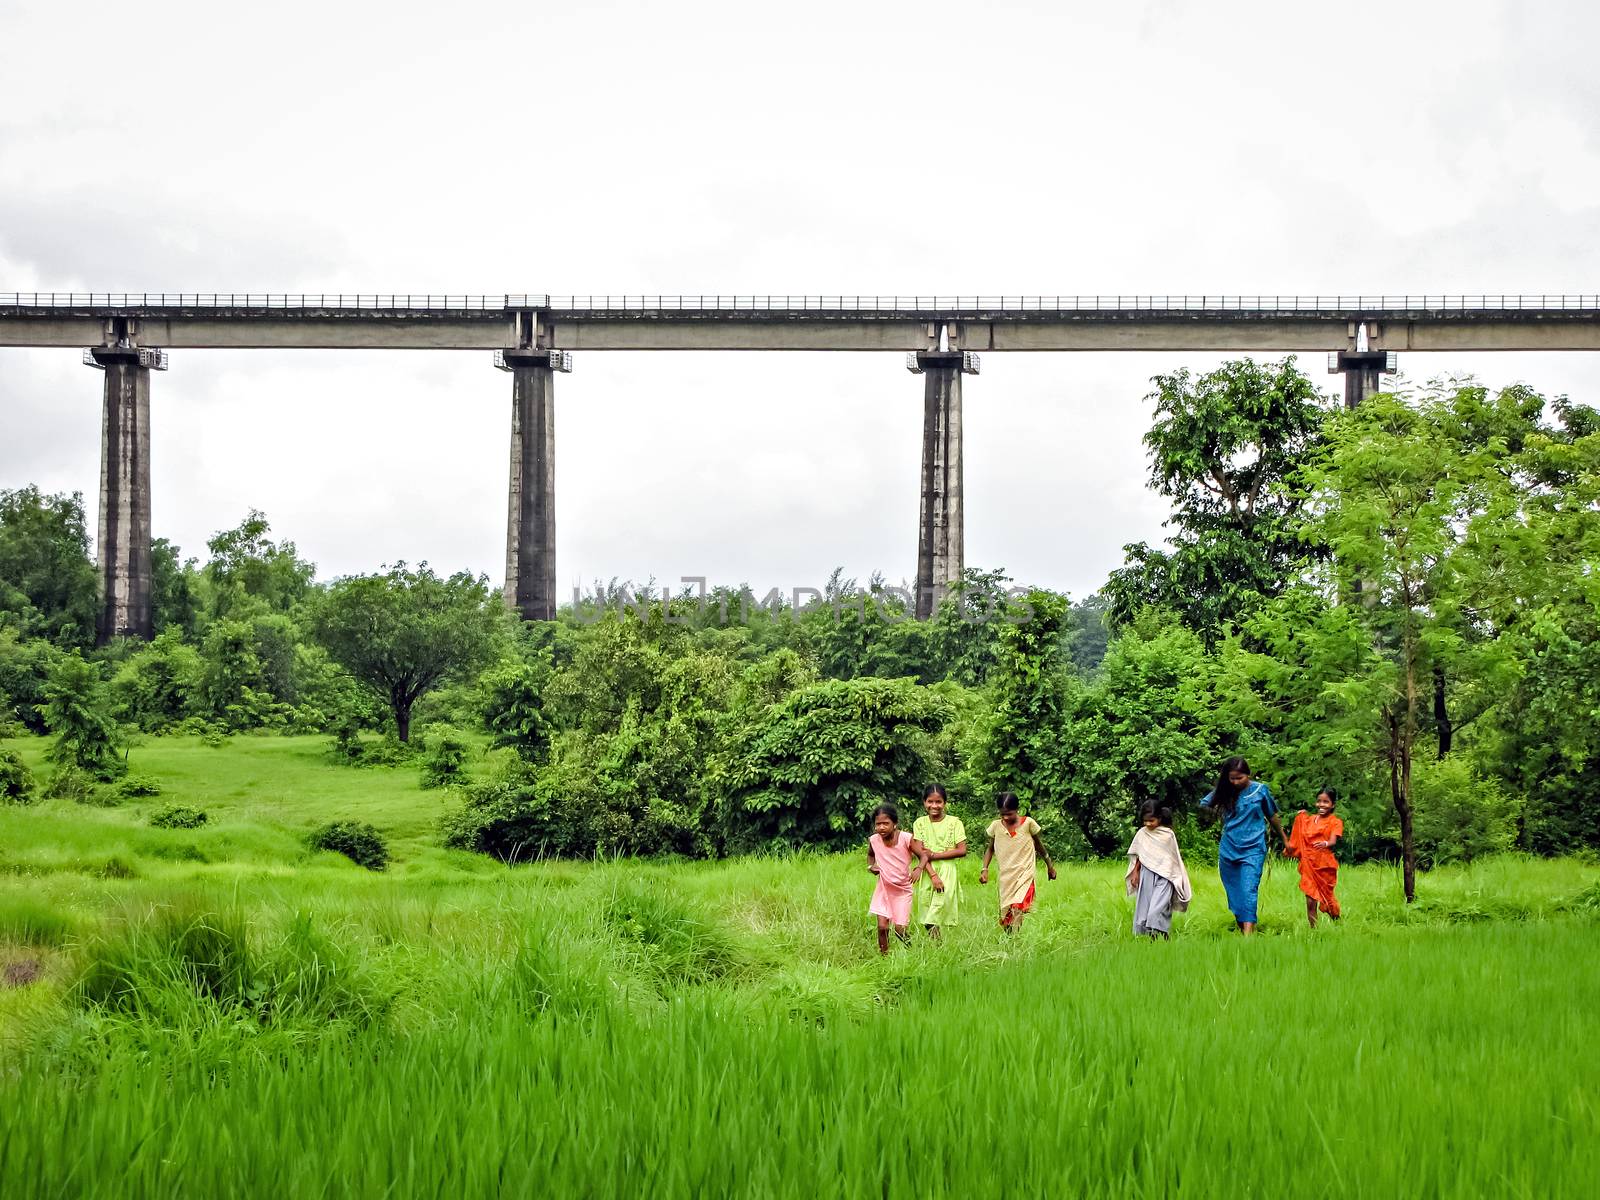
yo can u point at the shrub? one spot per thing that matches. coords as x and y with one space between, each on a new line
356 840
523 812
138 785
445 761
1460 815
178 816
814 765
346 747
16 781
69 783
79 714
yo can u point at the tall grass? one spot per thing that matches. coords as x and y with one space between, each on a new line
1348 1066
216 1011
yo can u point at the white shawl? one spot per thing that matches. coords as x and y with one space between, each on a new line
1158 851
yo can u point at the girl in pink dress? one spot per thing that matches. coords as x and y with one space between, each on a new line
889 857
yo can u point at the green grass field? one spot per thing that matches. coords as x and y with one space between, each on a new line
220 1011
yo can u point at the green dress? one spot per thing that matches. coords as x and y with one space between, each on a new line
940 908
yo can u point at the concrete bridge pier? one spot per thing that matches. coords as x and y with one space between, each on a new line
940 546
123 544
530 586
1363 372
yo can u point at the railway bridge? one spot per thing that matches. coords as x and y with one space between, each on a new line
535 337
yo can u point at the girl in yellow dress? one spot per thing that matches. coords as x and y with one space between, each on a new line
944 838
1014 840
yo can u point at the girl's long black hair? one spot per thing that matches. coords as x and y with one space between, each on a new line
1224 796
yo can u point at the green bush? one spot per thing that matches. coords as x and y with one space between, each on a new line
345 747
356 840
16 781
79 714
69 783
1460 815
178 816
138 785
814 765
445 760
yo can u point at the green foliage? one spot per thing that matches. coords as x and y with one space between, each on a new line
233 686
1225 448
137 786
178 816
1460 815
1150 727
1016 747
48 587
25 666
680 944
356 840
816 764
445 761
78 712
189 968
346 746
155 685
16 781
174 591
512 707
510 816
248 572
404 632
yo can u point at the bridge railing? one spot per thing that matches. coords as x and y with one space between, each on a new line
431 302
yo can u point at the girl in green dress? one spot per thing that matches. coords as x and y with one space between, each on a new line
943 839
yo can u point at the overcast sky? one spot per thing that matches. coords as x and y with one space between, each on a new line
864 147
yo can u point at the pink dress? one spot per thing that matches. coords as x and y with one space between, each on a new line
892 897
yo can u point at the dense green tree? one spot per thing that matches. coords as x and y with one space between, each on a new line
78 711
819 761
24 670
48 586
174 602
406 631
156 685
513 708
247 569
1148 727
1225 448
1016 746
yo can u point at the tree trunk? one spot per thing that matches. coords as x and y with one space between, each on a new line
1400 794
402 719
1408 845
1441 714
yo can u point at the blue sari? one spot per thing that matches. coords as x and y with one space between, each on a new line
1243 853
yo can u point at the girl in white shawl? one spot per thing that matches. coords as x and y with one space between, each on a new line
1156 875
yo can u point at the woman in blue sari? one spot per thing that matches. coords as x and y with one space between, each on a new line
1246 807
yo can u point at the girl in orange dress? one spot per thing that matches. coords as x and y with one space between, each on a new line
1311 841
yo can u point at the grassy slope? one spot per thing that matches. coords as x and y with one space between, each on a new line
727 1027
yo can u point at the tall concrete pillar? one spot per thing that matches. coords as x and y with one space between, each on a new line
940 547
531 514
1363 372
123 546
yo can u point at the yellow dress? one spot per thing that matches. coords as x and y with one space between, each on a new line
1014 856
940 908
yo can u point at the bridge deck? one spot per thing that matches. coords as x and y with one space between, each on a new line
892 323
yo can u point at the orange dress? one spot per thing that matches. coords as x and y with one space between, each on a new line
1319 869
